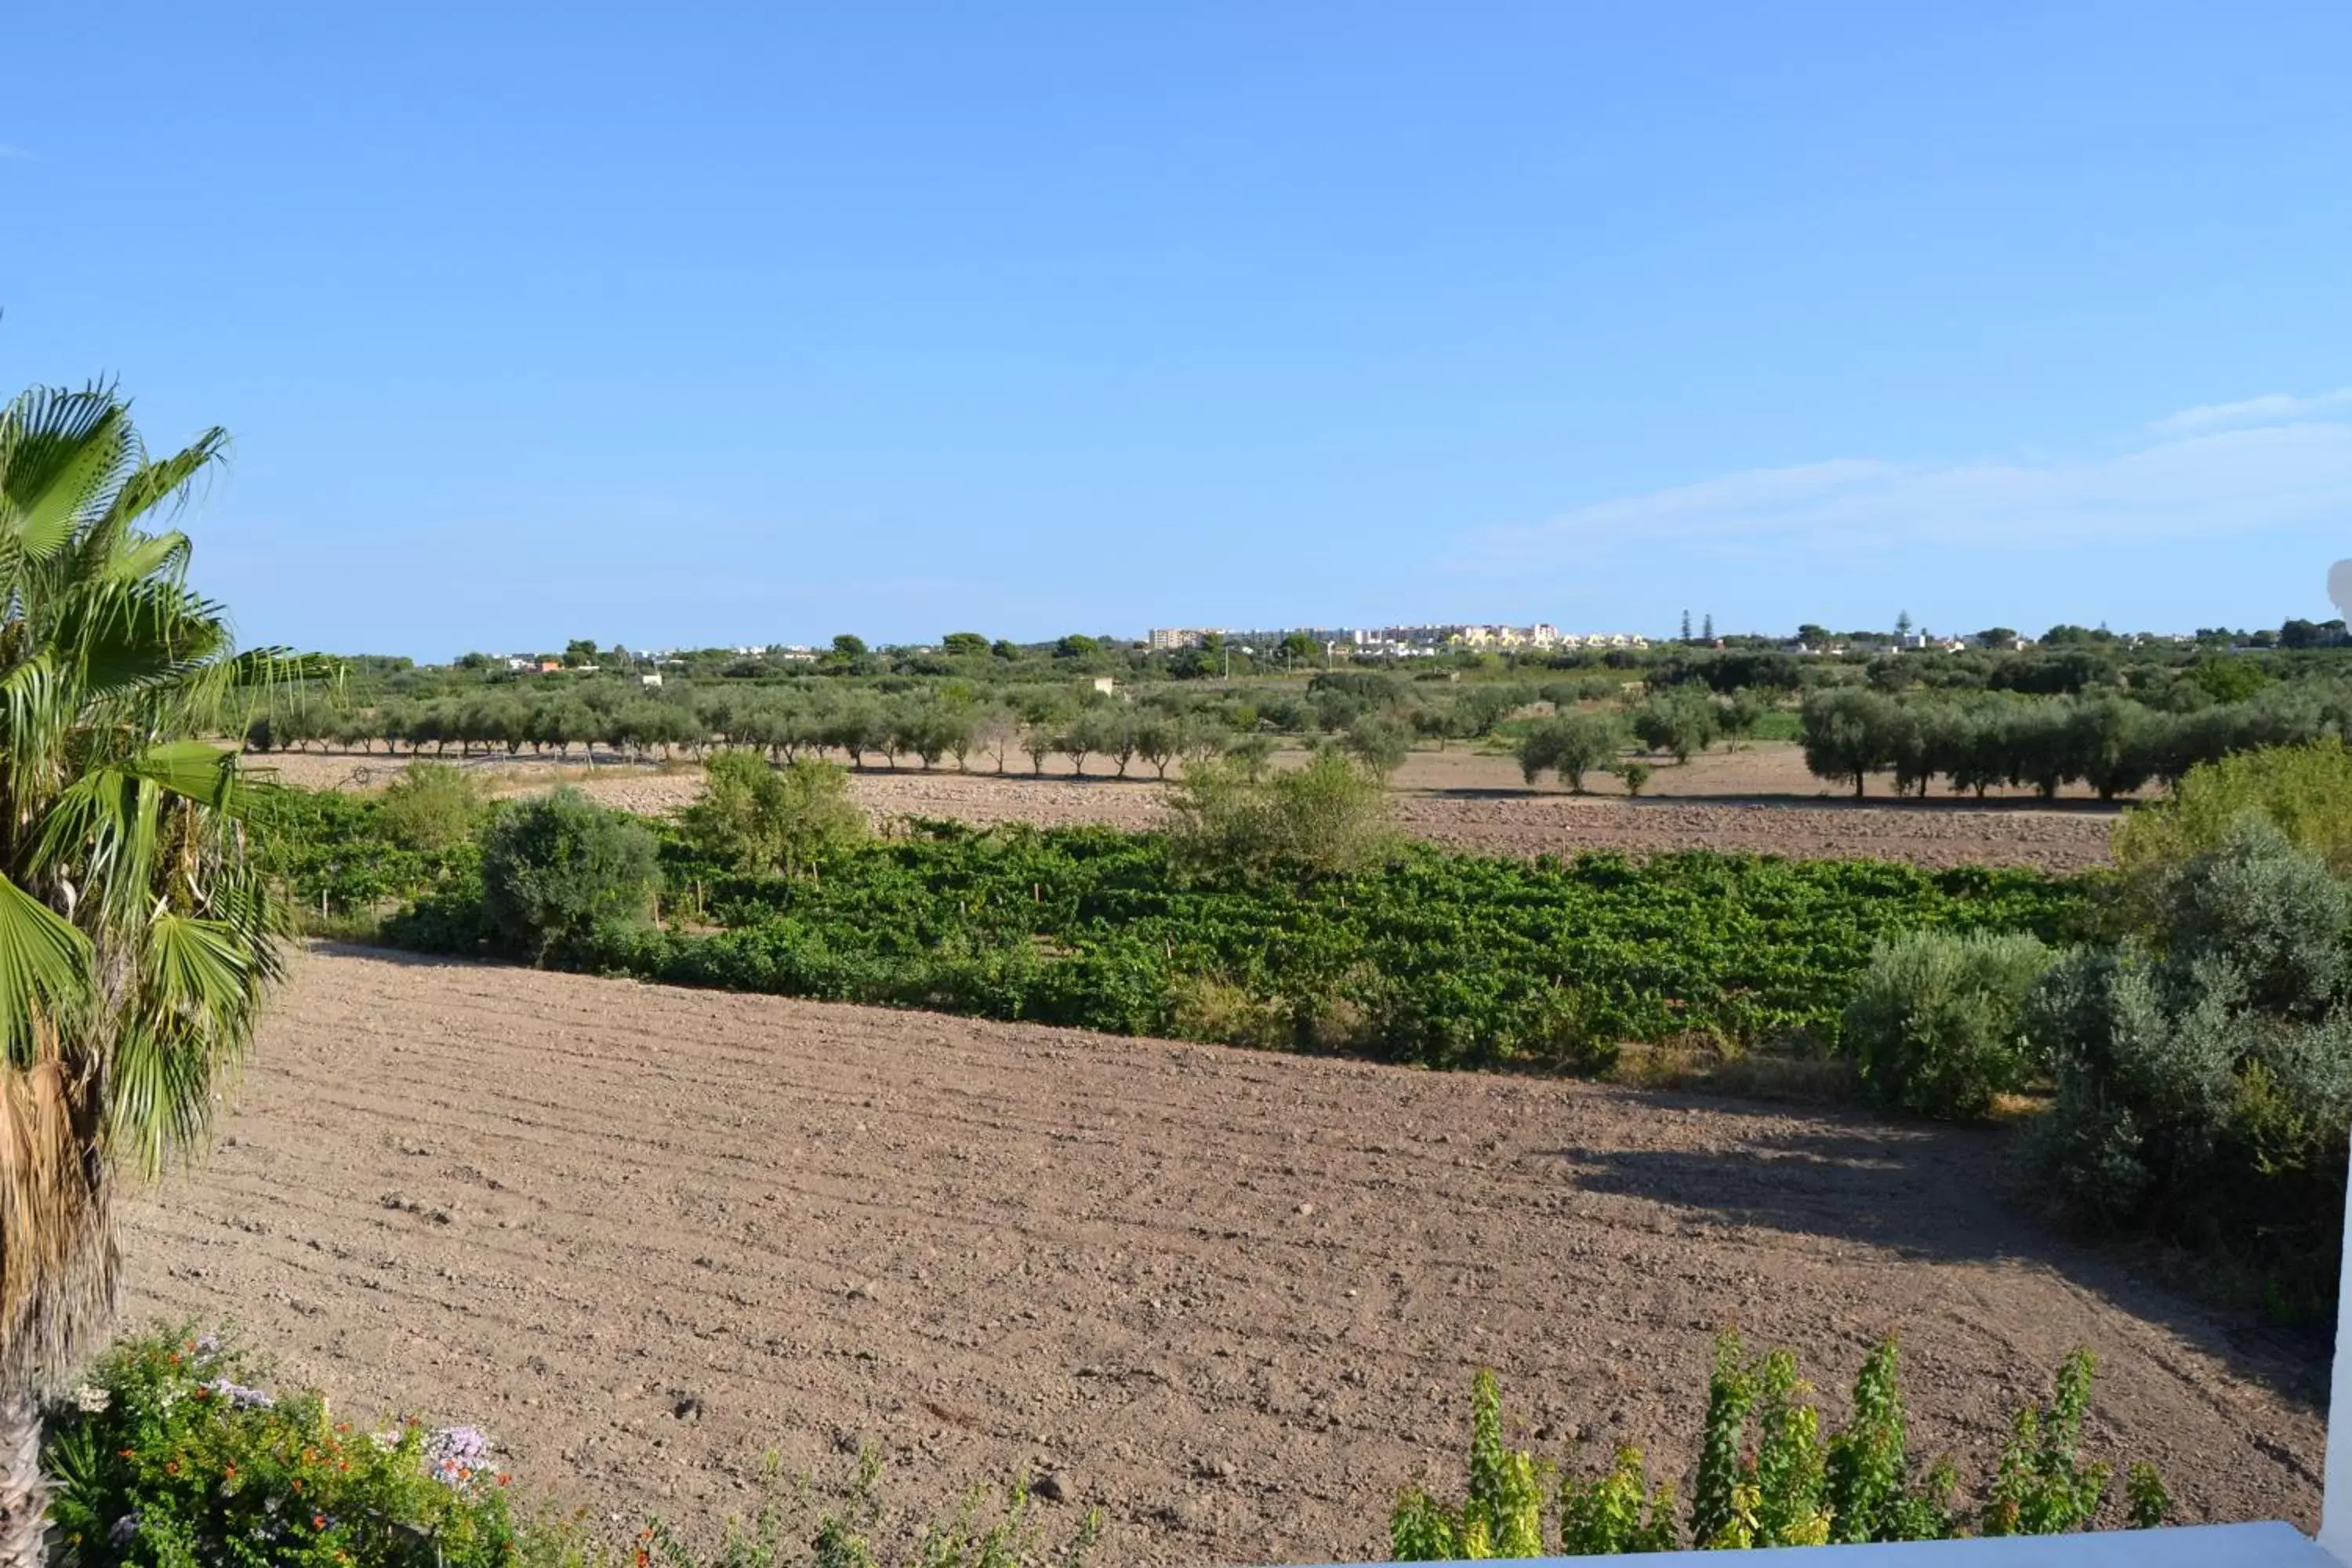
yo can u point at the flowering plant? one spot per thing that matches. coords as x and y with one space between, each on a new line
171 1453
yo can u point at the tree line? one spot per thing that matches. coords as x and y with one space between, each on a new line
2105 740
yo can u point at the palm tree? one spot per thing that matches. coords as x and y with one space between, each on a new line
136 937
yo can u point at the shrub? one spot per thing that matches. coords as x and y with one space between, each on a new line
555 868
168 1454
1380 743
1679 721
755 817
1765 1478
1935 1027
1571 745
1326 819
2303 791
1252 753
2204 1071
1635 775
433 806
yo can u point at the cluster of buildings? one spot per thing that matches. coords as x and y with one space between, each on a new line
1400 642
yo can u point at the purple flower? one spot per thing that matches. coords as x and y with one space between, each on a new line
237 1395
453 1455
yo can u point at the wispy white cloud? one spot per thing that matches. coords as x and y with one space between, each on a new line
2273 408
2230 475
14 155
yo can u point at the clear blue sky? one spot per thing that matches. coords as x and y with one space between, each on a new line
708 323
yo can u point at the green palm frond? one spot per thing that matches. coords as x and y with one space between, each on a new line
151 485
137 939
44 964
65 453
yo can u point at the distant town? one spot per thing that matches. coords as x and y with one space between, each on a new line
1311 646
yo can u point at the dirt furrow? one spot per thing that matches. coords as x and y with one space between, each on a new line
1234 1298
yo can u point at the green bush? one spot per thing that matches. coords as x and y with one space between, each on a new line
1380 743
556 868
433 806
168 1455
2303 791
1327 819
756 818
1765 1477
1678 722
1571 745
172 1453
1935 1023
2204 1069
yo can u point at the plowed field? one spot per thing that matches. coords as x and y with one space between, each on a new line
1232 1299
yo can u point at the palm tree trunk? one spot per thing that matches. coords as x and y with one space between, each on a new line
24 1495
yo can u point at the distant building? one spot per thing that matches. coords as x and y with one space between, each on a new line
649 679
1168 639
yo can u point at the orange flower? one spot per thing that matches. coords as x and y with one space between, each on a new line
504 1477
318 1521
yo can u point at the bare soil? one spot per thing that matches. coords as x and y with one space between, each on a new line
1749 800
1234 1299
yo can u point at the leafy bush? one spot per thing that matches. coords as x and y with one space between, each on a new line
2204 1071
167 1455
1571 745
1327 819
1680 720
1765 1478
2303 791
556 868
755 817
1935 1025
170 1455
433 806
1380 743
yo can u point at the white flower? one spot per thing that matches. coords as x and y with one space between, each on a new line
91 1399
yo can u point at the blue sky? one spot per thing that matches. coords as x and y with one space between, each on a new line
711 323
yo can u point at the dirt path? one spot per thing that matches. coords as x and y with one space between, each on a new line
1462 804
1235 1299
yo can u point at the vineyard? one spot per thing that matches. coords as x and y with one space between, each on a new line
1445 960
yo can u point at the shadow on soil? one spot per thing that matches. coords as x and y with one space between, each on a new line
1942 1195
